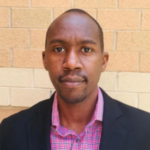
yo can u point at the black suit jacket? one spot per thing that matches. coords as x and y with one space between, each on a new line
124 128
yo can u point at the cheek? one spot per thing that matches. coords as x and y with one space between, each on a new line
93 67
54 65
94 63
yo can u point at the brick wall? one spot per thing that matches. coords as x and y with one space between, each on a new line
23 25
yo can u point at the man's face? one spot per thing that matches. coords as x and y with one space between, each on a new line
73 56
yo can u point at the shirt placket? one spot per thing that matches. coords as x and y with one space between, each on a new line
75 143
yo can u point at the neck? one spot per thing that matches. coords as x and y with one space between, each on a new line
77 116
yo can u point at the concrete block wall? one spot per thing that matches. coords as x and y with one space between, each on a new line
23 25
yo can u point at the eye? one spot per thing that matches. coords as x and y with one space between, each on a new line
86 50
59 49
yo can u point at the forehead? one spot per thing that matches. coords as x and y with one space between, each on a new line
74 26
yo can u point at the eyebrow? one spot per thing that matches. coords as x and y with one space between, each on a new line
57 41
64 42
88 42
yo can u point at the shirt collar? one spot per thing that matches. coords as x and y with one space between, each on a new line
98 113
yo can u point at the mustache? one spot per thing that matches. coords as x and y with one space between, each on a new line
78 75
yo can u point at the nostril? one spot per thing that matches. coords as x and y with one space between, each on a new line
72 65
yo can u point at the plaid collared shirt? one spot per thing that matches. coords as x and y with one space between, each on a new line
62 138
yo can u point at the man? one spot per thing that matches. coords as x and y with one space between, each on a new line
79 115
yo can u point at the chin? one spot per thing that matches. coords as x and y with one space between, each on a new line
73 97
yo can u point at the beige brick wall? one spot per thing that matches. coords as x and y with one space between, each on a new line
23 25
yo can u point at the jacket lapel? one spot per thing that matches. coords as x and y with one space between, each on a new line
38 128
114 132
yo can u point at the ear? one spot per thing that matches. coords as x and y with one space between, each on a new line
44 59
104 60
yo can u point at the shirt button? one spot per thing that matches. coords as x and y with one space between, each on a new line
77 140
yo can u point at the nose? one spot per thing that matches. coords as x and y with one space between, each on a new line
72 61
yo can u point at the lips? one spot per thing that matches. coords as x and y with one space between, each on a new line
72 81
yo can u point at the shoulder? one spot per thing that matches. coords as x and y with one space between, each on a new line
128 111
137 121
133 113
24 115
133 118
17 124
20 119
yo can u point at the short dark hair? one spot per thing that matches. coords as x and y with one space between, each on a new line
85 13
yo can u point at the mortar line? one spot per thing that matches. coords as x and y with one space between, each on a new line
138 64
52 15
117 4
29 38
9 100
140 20
23 28
9 20
13 107
11 57
29 88
29 49
114 40
96 14
119 30
48 88
117 78
24 67
27 7
137 100
30 3
32 79
124 92
72 3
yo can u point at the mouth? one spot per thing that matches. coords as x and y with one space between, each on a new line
72 81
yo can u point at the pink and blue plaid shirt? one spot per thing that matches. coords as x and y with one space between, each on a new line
62 138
